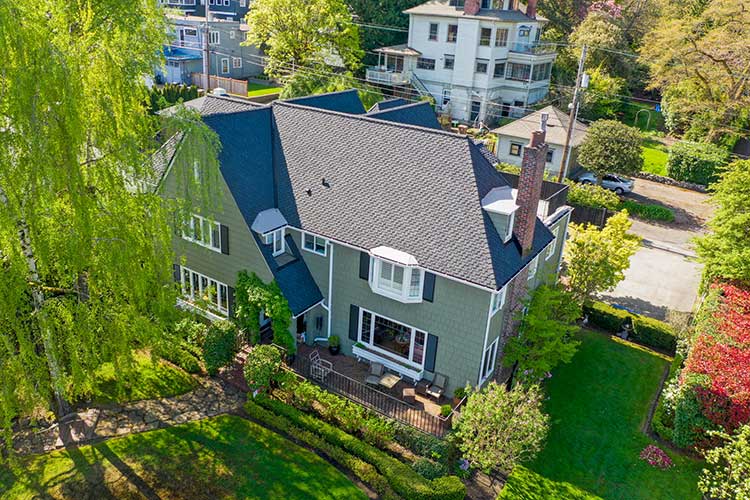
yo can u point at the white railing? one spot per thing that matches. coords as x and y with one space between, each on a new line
386 76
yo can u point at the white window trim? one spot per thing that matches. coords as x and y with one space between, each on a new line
375 265
498 300
371 344
533 268
553 245
509 231
224 60
271 237
491 350
315 241
220 306
191 231
236 62
216 35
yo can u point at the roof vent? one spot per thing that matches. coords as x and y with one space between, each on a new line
325 183
309 192
219 91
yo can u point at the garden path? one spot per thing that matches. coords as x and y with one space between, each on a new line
210 398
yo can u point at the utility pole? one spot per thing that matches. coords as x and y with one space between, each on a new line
206 49
573 116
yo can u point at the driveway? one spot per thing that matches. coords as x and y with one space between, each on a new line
664 274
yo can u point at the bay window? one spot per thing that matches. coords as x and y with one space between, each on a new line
402 283
202 291
392 338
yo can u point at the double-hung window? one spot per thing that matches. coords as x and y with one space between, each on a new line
203 232
533 268
236 62
499 70
482 65
425 63
402 283
449 61
485 35
452 33
214 38
314 244
501 37
201 290
488 360
433 32
276 240
552 246
498 299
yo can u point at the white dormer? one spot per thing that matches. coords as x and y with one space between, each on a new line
395 274
269 225
500 204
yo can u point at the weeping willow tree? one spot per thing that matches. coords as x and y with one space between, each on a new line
85 260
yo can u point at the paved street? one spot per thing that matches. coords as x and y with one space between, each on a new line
664 274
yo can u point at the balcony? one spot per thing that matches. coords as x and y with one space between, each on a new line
385 76
534 48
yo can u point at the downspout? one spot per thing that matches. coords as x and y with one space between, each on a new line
330 290
486 335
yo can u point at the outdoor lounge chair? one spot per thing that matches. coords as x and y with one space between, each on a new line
437 388
376 373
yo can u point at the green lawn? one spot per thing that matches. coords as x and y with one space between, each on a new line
598 404
225 457
630 109
655 157
258 89
147 380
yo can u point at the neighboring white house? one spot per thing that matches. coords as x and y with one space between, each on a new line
480 59
512 138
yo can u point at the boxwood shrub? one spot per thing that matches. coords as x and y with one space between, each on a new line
696 162
605 316
403 479
654 333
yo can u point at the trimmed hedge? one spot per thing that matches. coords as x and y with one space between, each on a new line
605 316
364 471
654 333
647 211
647 331
402 478
696 162
662 422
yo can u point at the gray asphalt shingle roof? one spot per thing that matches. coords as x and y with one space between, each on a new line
420 114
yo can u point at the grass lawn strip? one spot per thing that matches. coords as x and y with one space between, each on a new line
655 156
528 485
223 457
258 89
598 405
146 380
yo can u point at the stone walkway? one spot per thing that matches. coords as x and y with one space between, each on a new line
212 397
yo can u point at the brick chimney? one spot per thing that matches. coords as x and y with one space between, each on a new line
471 7
530 187
531 8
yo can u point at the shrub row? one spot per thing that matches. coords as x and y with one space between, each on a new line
646 331
422 444
591 195
662 422
647 211
402 478
364 471
696 162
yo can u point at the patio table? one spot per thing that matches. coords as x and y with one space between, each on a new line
389 380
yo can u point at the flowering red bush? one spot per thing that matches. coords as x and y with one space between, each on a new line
656 457
722 354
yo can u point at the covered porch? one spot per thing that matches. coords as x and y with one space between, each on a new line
394 66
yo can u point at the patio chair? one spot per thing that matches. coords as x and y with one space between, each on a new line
376 373
437 388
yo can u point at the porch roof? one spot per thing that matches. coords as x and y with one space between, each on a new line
399 50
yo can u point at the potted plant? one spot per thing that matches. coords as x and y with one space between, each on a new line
334 344
458 395
445 411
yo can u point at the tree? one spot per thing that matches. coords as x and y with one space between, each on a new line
698 58
86 262
725 251
564 15
384 13
727 477
262 364
605 39
546 335
596 259
611 147
303 33
499 429
602 97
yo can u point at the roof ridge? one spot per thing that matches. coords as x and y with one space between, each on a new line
394 108
234 98
302 98
370 118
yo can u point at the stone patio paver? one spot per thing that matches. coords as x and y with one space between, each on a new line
212 397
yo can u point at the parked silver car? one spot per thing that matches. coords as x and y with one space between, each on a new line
616 183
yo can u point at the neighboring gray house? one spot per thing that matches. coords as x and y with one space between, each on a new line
228 58
379 227
232 10
512 138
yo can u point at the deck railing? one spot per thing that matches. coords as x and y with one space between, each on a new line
372 398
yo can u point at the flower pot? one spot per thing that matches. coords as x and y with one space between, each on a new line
334 350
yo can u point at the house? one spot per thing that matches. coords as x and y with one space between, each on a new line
232 10
228 58
512 138
480 59
379 227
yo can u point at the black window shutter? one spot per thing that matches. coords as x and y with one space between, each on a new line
176 271
224 239
431 353
353 322
428 292
364 265
230 306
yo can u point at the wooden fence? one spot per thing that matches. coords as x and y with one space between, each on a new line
232 86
